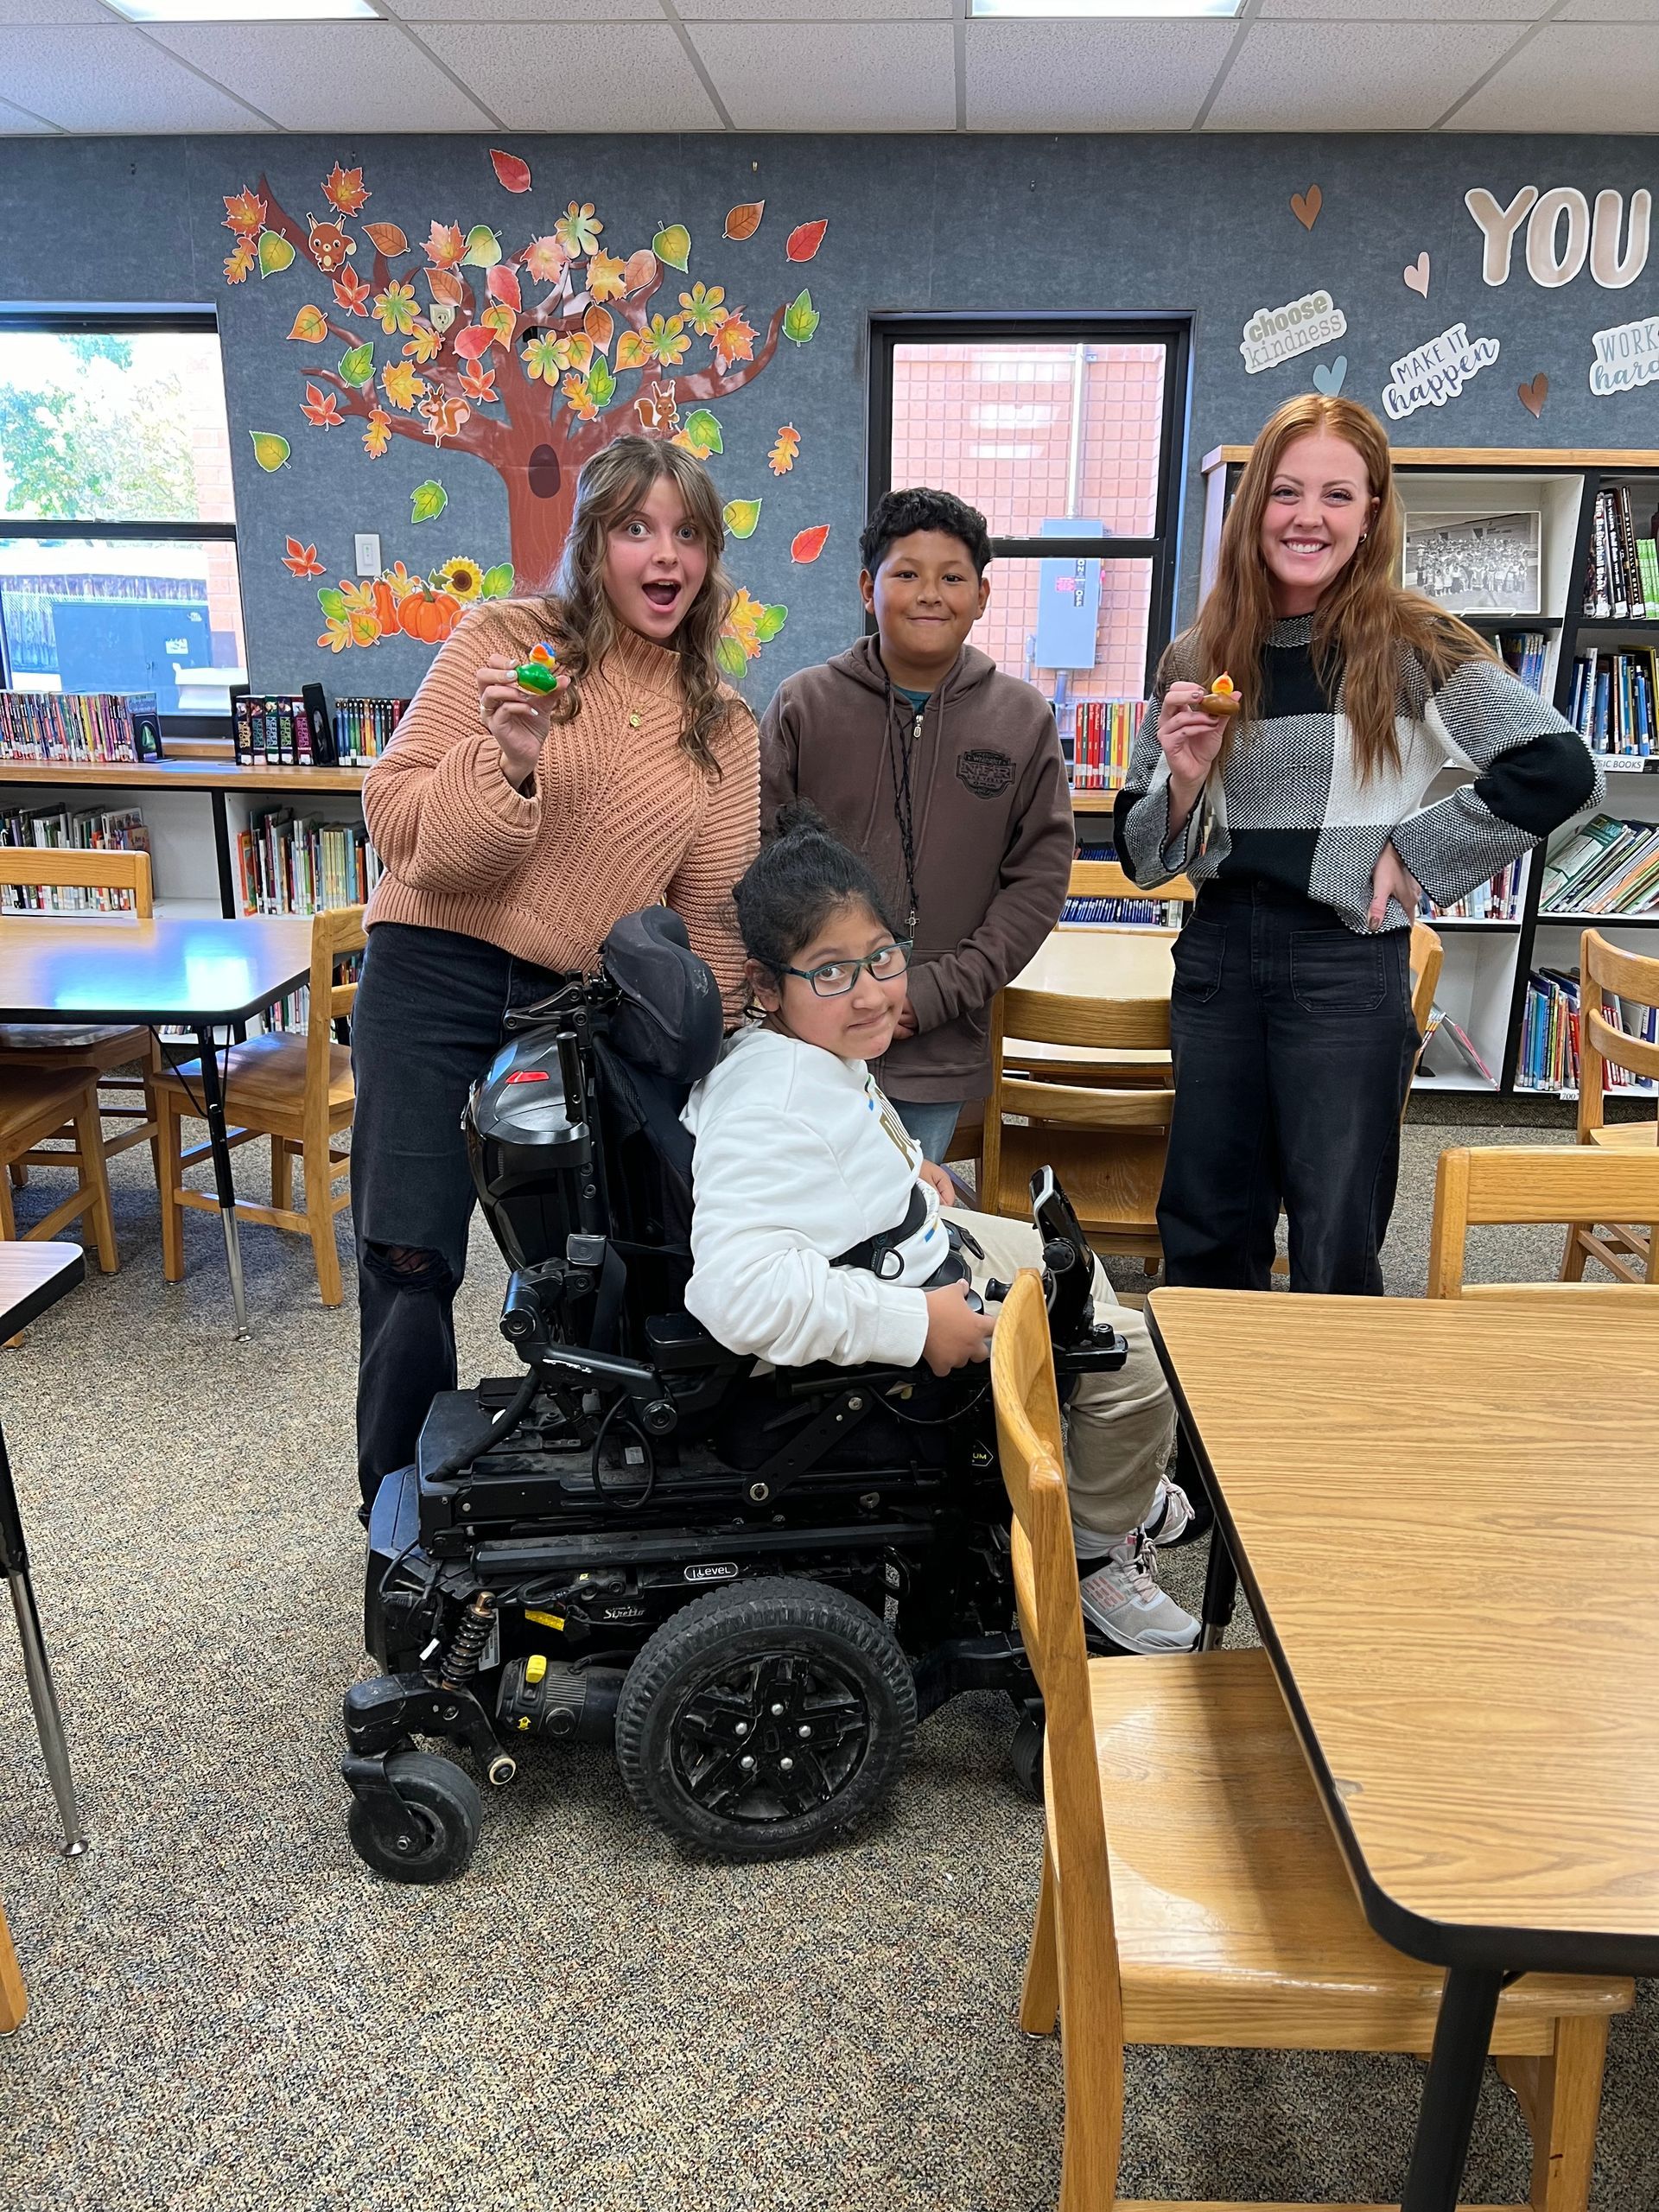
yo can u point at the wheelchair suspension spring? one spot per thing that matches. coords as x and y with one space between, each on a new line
467 1644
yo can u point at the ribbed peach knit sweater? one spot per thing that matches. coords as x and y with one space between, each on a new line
617 816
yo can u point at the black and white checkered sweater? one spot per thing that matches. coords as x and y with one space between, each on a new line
1290 807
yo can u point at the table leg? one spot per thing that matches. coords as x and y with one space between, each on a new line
1463 2035
1220 1591
213 1104
42 1695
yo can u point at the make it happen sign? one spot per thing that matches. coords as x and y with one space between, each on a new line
1430 375
1275 334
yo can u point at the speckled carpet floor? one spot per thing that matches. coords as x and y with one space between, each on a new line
229 2012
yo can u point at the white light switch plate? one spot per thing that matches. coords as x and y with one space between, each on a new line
368 553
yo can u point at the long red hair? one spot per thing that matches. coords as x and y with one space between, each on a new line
1364 618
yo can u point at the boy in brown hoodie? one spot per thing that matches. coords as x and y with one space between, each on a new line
948 776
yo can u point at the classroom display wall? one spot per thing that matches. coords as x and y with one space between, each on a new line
1479 290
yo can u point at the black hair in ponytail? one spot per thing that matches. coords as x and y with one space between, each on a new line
801 875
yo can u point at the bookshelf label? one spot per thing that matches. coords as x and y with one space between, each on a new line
1277 334
1626 356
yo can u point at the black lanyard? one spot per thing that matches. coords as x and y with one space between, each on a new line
899 746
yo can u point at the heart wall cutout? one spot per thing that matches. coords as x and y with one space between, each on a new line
1417 275
1306 206
1329 380
1533 394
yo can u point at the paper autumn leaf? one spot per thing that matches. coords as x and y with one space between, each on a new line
703 308
386 238
807 544
271 448
740 517
244 212
803 241
239 260
346 190
378 436
276 253
321 408
483 248
577 232
665 339
728 654
427 501
356 598
575 352
513 174
478 384
501 285
801 318
581 402
672 244
541 359
781 458
444 245
396 308
640 271
446 287
500 321
599 326
302 560
498 581
310 325
772 620
734 340
425 344
474 342
744 222
444 417
352 293
605 275
658 409
544 259
631 352
336 636
358 365
701 433
402 386
602 384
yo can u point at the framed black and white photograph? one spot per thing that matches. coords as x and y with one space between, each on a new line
1476 564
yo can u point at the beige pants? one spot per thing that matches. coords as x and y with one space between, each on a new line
1120 1428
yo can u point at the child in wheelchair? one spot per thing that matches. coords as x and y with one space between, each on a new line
819 1232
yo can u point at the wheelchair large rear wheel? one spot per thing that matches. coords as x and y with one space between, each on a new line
765 1719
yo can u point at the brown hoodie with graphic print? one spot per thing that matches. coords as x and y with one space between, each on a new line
992 837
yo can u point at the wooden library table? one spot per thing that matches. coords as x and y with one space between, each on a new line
32 1278
197 974
1400 1484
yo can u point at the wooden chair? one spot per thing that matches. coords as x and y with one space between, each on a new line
1629 1253
1106 1140
13 1999
1106 879
1191 1891
1541 1182
36 1104
295 1089
53 1045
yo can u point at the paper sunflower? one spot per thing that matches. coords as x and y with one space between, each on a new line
460 578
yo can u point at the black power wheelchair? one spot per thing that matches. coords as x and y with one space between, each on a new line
754 1584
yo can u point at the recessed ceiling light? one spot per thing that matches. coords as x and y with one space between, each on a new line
1104 7
237 11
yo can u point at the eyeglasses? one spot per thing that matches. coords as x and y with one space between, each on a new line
837 977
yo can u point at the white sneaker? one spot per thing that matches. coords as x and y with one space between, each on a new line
1123 1599
1170 1515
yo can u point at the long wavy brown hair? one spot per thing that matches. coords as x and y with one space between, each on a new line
581 621
1364 618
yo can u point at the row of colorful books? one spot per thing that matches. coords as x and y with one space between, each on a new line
1550 1057
1621 581
1527 652
296 730
289 864
293 1013
1103 737
86 830
79 726
1121 914
1496 901
1607 866
1613 701
362 729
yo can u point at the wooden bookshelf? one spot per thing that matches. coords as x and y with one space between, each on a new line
181 776
1482 984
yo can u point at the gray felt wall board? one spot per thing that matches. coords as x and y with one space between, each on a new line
1156 224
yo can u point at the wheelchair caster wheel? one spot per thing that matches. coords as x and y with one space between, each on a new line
1026 1759
434 1840
765 1719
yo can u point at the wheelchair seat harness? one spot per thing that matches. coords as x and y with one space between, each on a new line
880 1255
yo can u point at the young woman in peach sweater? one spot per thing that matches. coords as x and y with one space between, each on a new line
515 829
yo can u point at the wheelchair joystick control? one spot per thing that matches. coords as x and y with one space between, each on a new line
1058 1255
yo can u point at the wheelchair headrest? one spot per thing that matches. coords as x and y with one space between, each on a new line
670 1021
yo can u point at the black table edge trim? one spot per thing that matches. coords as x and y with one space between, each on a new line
45 1295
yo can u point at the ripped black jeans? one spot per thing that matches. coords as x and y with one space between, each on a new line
426 1024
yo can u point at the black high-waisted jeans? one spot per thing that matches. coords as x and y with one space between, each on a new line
426 1022
1294 1047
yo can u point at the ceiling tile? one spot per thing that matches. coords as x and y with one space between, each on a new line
810 11
53 11
1067 75
1354 76
889 76
1408 12
1582 76
336 76
526 11
110 77
1611 11
576 76
14 124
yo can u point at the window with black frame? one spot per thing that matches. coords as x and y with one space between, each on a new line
117 528
1066 434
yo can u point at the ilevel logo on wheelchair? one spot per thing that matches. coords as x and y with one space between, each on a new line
536 1573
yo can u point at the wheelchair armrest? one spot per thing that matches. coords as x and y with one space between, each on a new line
678 1343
